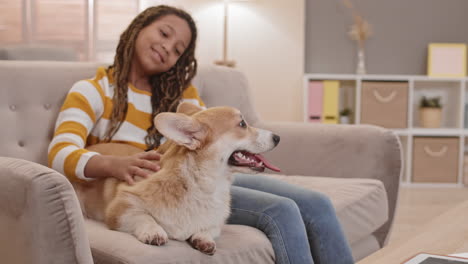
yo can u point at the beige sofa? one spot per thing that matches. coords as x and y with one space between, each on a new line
37 52
358 166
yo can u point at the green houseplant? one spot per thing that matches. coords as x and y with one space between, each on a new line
430 112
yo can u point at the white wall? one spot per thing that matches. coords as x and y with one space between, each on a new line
266 39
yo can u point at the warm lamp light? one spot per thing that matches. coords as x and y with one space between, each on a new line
225 61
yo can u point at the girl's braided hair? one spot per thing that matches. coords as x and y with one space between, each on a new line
167 87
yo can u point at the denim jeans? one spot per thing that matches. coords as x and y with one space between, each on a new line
301 224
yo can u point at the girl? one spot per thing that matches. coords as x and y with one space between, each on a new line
152 70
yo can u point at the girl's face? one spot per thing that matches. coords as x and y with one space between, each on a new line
160 44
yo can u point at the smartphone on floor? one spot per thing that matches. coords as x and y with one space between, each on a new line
427 258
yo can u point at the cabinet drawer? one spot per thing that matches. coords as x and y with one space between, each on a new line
435 159
384 104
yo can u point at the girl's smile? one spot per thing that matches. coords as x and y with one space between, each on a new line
157 55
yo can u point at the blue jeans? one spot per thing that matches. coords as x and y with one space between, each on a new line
301 224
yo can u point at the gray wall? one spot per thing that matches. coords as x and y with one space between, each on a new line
402 31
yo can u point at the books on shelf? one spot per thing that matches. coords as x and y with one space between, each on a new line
330 102
315 101
323 101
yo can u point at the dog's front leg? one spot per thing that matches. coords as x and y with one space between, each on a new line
204 240
130 219
146 229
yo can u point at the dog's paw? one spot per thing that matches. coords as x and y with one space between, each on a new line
154 236
158 240
205 246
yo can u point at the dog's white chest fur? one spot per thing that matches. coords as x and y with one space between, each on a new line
203 207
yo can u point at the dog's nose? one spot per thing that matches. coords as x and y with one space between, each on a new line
276 139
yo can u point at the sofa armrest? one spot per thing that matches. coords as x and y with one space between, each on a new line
340 151
40 217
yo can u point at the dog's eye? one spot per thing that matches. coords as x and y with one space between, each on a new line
243 124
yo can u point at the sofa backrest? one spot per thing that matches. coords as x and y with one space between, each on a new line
38 52
32 92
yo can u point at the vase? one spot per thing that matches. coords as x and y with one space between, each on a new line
430 117
361 65
344 120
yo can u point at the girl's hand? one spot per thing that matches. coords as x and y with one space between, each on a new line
127 168
124 168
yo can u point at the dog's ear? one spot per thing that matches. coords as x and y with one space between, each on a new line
188 108
182 129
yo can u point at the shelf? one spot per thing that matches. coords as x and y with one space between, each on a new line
380 77
437 132
454 97
318 76
432 185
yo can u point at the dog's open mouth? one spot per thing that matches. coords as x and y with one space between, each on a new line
254 161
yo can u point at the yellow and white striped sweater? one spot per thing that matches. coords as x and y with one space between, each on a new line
84 117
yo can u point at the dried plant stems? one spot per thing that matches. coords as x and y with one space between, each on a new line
361 29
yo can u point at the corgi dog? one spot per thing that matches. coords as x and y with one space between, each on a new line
188 199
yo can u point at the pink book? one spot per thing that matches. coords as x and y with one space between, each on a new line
315 101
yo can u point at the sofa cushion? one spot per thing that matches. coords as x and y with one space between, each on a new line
237 244
361 204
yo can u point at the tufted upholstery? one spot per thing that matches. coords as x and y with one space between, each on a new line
31 93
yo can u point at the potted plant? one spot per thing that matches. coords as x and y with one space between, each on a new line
430 112
345 116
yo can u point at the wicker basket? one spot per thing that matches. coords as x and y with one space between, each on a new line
384 104
435 159
465 169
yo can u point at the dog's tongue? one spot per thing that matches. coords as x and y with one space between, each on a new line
267 164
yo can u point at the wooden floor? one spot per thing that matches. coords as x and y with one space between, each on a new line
418 205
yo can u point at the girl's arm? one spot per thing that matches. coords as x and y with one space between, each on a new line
122 168
83 106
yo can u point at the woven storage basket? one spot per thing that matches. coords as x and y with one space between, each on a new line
384 104
435 159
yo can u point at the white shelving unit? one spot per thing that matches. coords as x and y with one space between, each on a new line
454 97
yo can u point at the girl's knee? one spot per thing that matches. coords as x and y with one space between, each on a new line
318 205
281 214
283 206
324 202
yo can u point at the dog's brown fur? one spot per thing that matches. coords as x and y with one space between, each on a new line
188 199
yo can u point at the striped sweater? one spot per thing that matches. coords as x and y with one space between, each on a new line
84 117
